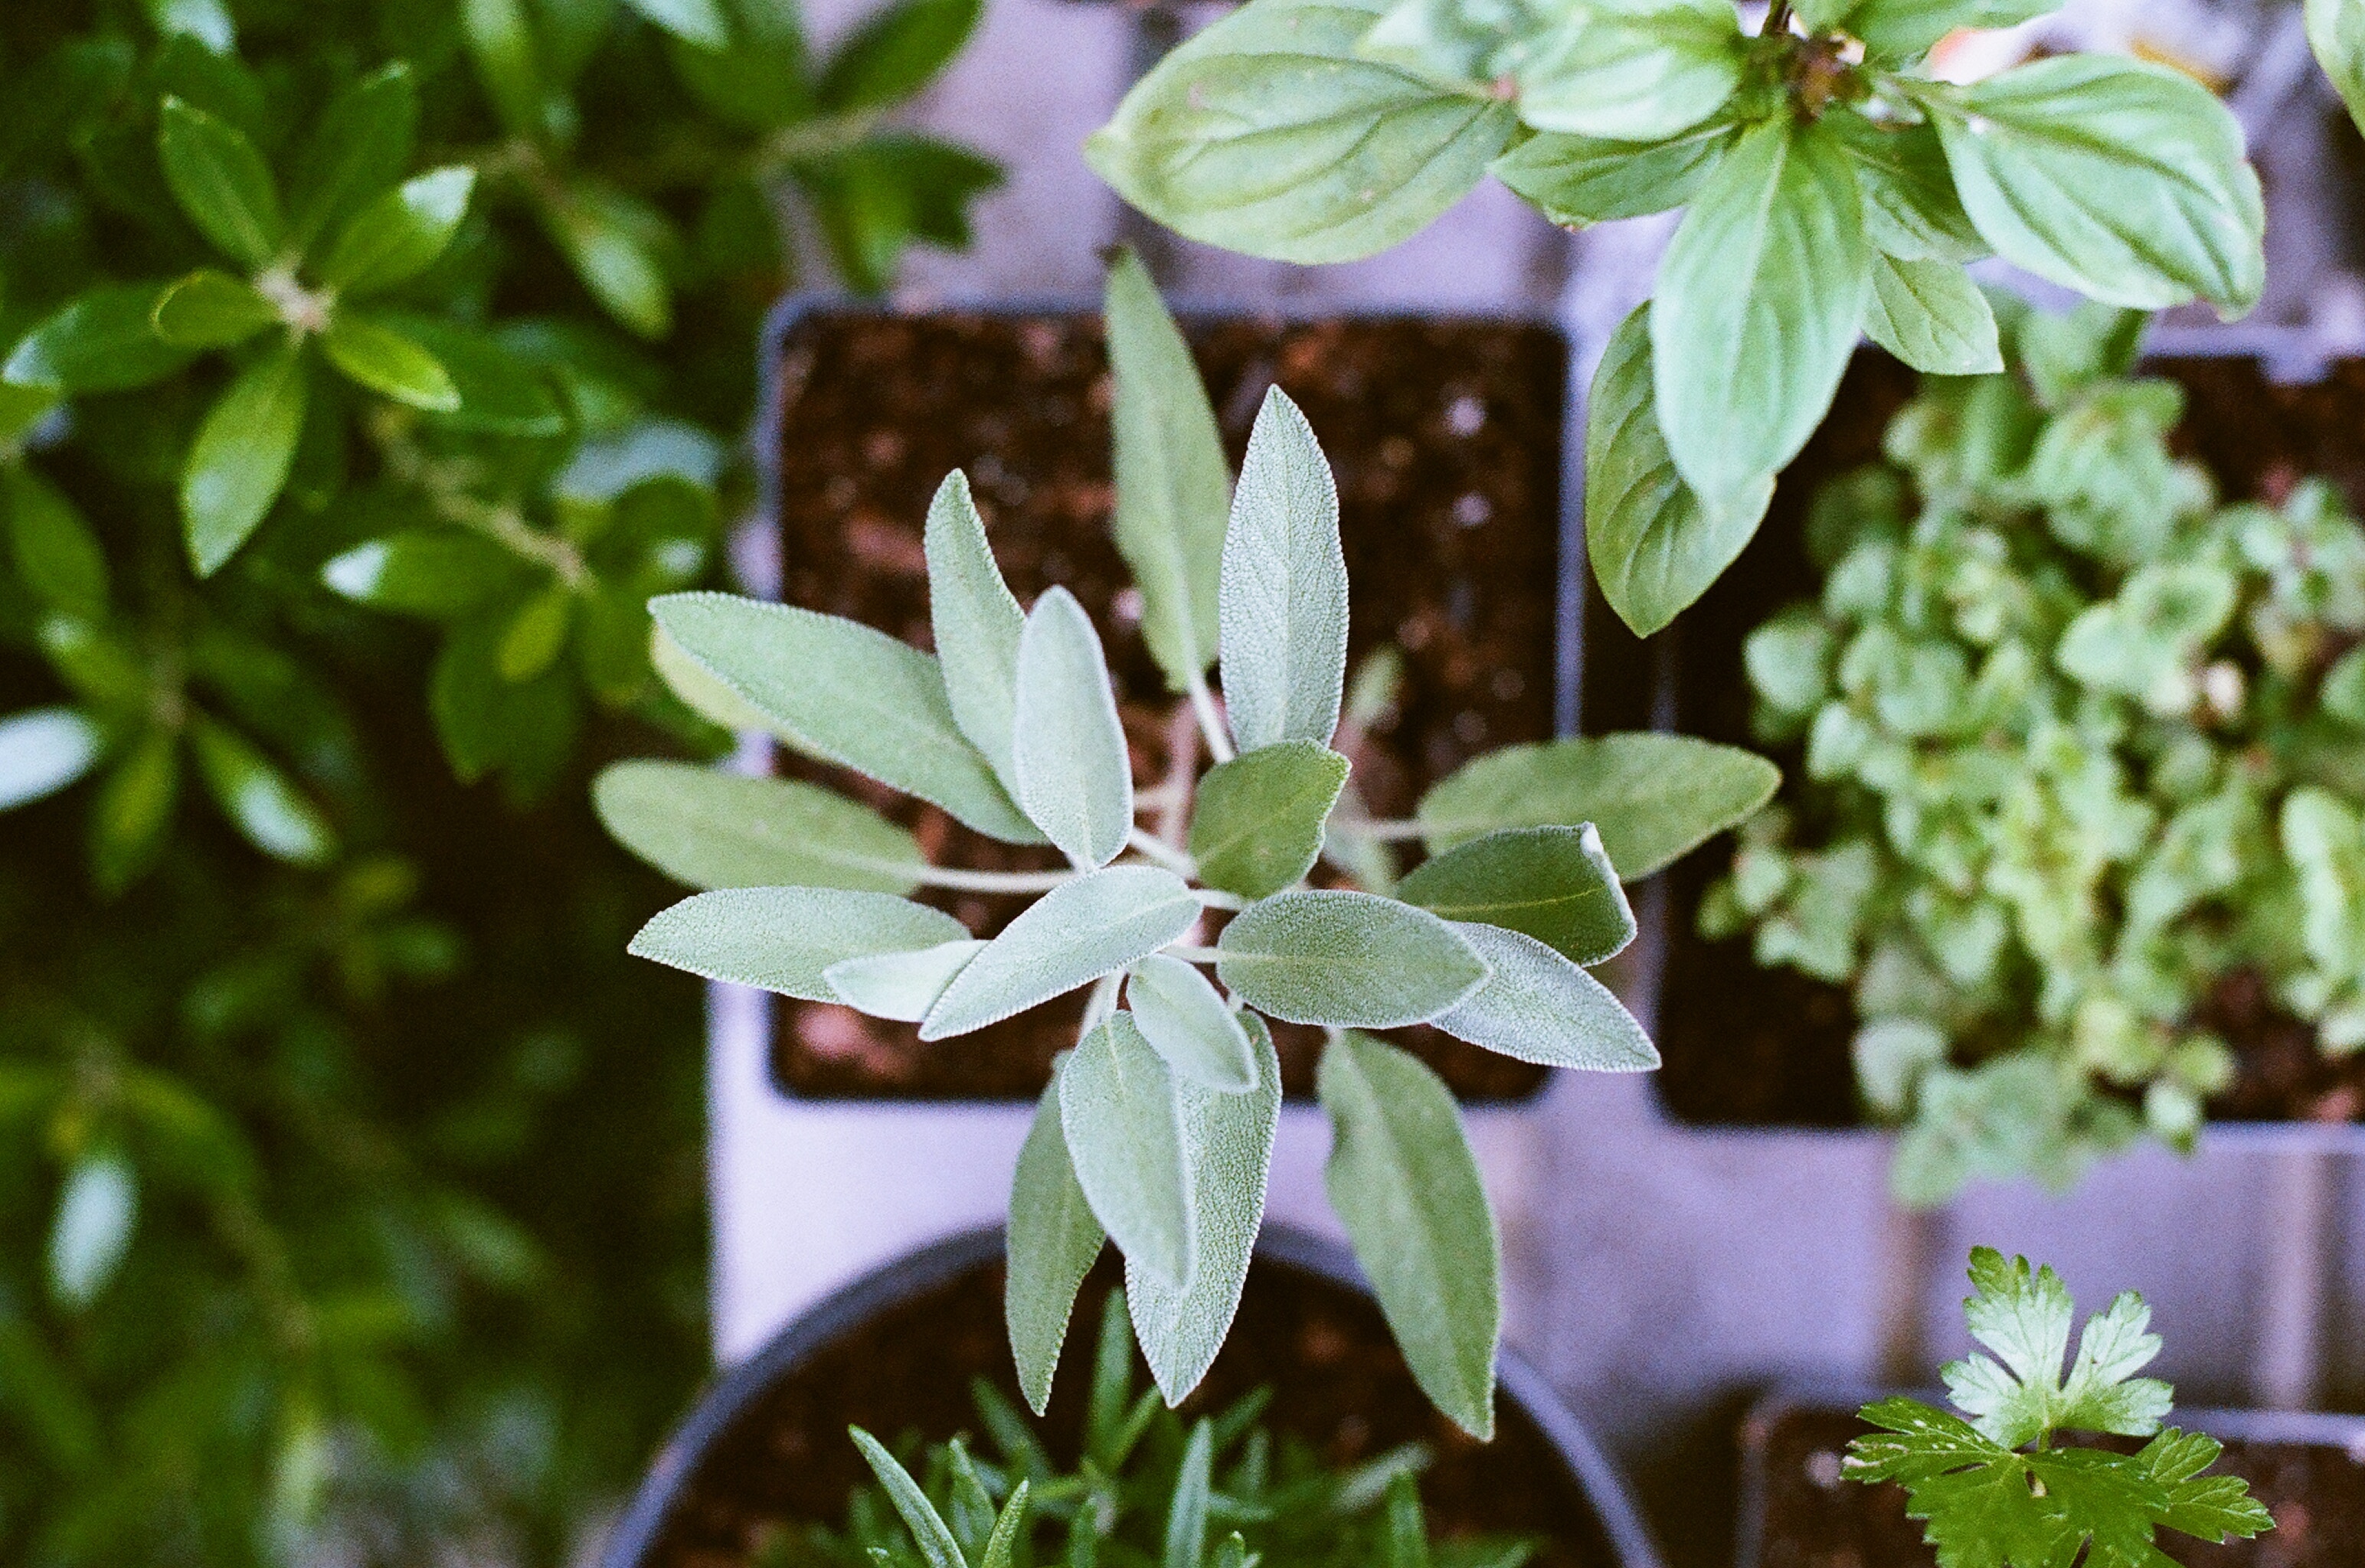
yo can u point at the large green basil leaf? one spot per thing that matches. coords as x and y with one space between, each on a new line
2123 180
1756 310
1266 133
1932 316
1911 208
2335 30
1633 71
1654 543
1903 31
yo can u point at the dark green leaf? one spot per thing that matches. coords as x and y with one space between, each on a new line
896 53
693 21
258 798
760 80
1403 1180
2336 31
399 235
1576 180
878 197
57 555
920 1517
1186 1509
1654 543
500 393
101 341
361 146
536 634
239 460
1904 29
613 242
1553 883
211 309
442 572
133 813
221 182
1255 826
502 44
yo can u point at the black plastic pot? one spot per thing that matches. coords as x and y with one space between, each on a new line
1611 1533
805 497
2309 1469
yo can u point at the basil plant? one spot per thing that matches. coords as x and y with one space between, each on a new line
1157 1128
1830 187
2085 769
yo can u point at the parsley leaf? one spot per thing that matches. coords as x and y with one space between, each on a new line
1989 1499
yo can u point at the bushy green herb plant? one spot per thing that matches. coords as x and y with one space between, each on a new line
355 300
1159 1124
2080 743
1829 185
1990 1484
1217 1492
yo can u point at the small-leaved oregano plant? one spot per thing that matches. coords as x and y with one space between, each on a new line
1990 1485
1157 1126
1831 186
2083 751
1221 1491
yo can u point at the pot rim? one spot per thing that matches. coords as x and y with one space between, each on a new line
736 1388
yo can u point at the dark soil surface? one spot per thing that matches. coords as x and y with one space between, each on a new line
1337 1381
1770 1047
1817 1519
1446 439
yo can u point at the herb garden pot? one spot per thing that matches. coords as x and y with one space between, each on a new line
1799 1510
1450 440
896 1352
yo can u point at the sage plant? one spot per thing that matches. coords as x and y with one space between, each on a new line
1157 1128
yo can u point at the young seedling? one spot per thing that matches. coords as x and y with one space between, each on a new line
2082 752
1157 1126
1830 185
1217 1492
1991 1486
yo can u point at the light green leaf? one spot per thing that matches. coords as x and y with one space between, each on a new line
1125 1137
1654 797
840 691
1347 959
928 1528
221 182
374 356
1075 933
1537 1006
1009 1527
1283 589
1053 1240
211 309
439 572
42 750
1266 133
784 940
1186 1509
361 145
239 463
206 21
1189 1024
701 693
607 237
1756 308
58 557
1654 543
2121 179
693 21
502 43
1403 1180
1227 1148
1075 778
400 234
1932 316
1256 824
1173 488
713 829
500 392
258 798
977 624
1634 72
1554 884
1577 179
2336 31
535 634
96 1211
902 986
103 339
1903 31
1910 209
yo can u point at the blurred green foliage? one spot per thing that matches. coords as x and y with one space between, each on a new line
365 365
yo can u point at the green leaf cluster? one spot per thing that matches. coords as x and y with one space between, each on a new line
1158 1130
2083 749
1993 1491
1149 1489
1828 184
380 311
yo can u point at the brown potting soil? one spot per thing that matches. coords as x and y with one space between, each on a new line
1446 439
1816 1517
1338 1384
1756 1046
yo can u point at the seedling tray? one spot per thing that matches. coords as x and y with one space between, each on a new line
1450 440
